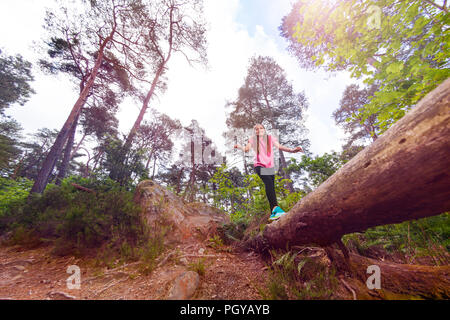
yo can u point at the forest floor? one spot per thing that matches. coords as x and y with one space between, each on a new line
225 274
37 274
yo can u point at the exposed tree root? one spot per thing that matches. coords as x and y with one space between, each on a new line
398 281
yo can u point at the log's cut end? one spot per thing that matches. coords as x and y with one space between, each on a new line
403 175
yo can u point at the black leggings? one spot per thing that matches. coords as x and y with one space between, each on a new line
269 183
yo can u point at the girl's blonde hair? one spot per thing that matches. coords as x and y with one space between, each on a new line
257 139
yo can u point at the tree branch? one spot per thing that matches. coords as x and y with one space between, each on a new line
443 8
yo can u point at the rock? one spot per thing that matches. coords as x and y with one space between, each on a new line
16 277
184 286
59 295
184 261
20 268
163 211
18 263
201 250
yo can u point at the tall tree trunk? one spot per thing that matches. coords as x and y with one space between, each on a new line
97 157
191 184
154 166
159 72
144 107
67 152
403 175
245 164
137 123
148 160
179 181
74 150
204 193
283 168
41 180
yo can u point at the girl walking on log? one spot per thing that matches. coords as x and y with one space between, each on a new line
262 144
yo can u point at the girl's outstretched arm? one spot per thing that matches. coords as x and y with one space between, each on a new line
283 148
245 149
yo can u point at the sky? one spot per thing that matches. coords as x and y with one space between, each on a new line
237 30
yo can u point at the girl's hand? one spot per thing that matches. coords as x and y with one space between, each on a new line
298 149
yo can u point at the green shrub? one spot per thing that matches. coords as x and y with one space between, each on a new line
149 251
198 266
77 219
424 237
13 191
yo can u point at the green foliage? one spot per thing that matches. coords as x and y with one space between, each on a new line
123 163
9 144
424 237
400 46
13 191
148 251
245 200
318 169
215 242
75 219
291 199
15 75
227 194
35 151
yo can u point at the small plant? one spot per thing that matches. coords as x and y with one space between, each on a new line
133 276
215 242
149 251
232 232
294 277
198 266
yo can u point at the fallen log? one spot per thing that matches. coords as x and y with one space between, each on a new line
403 175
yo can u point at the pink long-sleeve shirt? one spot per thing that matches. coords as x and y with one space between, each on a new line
263 159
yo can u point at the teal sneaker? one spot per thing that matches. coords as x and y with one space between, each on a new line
277 212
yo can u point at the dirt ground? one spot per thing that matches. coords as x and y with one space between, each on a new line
36 274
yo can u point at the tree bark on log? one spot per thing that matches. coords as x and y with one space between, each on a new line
403 175
398 281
